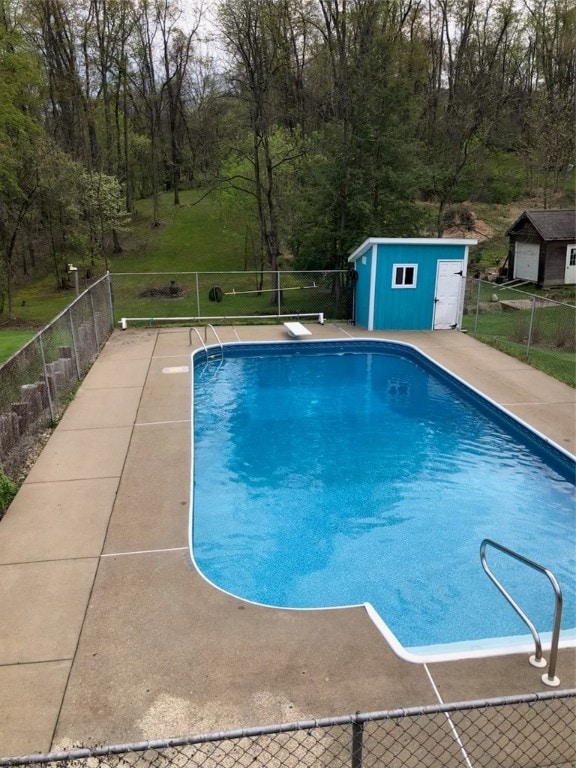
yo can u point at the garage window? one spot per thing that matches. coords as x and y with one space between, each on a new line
404 275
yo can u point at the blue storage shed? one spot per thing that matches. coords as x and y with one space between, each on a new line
409 284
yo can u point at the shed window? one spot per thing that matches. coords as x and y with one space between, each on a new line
404 275
572 249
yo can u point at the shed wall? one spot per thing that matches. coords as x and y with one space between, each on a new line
409 308
525 232
362 295
553 256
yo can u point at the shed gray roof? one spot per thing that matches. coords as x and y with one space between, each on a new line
550 224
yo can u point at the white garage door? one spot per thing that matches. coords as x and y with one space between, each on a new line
526 256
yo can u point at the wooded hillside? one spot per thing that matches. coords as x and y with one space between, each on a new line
324 121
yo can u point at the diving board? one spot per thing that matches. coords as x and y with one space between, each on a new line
297 330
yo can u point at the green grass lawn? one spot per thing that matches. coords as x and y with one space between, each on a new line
39 302
11 341
210 235
241 294
200 235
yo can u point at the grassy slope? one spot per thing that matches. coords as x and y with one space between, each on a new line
196 236
205 236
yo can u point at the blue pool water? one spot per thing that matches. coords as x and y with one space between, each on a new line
331 474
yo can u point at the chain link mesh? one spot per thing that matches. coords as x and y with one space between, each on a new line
37 381
529 731
221 295
535 328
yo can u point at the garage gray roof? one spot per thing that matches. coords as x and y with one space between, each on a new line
550 224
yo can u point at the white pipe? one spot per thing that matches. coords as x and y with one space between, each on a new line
124 320
234 292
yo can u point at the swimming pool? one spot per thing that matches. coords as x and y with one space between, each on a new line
359 472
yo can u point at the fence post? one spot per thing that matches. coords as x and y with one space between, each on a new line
45 372
110 300
530 327
197 297
74 346
477 306
94 322
279 294
357 738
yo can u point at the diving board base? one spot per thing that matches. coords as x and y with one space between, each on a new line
297 330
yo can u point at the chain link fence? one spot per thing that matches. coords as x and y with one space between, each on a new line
221 296
37 381
533 328
530 731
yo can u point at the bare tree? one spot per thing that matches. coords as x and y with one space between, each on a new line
56 30
176 56
471 86
252 30
145 83
550 134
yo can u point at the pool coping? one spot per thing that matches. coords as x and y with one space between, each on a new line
83 651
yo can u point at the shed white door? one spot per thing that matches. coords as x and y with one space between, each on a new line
570 275
447 298
526 257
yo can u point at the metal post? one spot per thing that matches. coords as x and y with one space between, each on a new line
530 327
74 346
279 288
477 306
550 678
357 738
197 297
45 372
74 270
94 321
110 300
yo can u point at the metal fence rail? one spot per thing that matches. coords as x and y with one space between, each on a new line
529 731
36 382
218 296
537 329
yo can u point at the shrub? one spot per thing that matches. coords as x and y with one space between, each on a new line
519 329
8 490
565 337
459 216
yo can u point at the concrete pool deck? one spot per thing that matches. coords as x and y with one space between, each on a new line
109 635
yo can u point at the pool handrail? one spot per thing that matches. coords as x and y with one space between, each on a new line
537 660
202 341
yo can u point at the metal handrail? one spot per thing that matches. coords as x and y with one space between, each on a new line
209 325
202 341
192 328
536 660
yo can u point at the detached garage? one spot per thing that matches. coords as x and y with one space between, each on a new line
542 248
410 283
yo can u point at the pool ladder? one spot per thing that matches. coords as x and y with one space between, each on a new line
203 341
536 660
